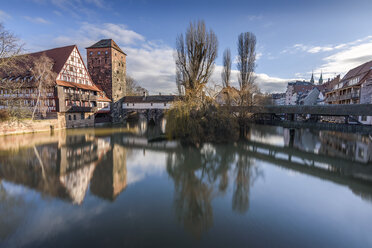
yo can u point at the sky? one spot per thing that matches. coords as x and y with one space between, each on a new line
294 38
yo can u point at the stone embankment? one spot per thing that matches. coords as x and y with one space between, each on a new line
28 126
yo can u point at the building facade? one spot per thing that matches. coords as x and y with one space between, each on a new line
107 67
73 96
354 88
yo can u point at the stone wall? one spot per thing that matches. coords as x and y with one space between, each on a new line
28 126
72 120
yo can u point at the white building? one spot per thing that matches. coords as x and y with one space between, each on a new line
148 102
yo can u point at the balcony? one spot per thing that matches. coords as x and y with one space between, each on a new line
76 96
350 95
79 109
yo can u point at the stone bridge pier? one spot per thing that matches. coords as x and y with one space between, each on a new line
153 116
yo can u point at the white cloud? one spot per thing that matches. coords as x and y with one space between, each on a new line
266 83
36 20
326 48
343 61
149 62
4 16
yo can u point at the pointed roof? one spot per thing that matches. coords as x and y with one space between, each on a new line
312 78
107 43
359 70
321 78
59 55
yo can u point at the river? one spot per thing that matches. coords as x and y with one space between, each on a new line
113 187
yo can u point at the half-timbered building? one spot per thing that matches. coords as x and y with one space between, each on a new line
73 99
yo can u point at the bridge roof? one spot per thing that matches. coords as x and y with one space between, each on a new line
154 98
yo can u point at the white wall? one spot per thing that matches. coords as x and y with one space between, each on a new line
146 105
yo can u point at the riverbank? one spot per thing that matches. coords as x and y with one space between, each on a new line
28 126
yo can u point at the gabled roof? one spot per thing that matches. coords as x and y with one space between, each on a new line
300 89
77 85
106 43
59 55
359 70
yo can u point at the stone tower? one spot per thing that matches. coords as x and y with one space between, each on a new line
107 68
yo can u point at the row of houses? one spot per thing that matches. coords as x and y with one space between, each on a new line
354 88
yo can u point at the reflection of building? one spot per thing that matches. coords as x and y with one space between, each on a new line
110 176
346 146
335 144
60 169
302 139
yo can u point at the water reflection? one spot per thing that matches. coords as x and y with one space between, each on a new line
70 164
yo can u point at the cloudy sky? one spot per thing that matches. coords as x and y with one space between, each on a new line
294 37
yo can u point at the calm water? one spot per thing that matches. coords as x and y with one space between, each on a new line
112 188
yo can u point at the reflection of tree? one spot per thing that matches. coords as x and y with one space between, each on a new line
12 210
200 175
246 174
192 194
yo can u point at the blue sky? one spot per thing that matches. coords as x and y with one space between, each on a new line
294 37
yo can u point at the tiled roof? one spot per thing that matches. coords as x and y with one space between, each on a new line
76 85
106 43
359 70
155 98
302 88
103 99
59 55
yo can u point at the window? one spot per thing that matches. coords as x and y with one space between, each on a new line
91 53
127 104
82 116
106 52
71 68
69 117
99 53
151 104
165 104
364 118
72 59
88 116
74 117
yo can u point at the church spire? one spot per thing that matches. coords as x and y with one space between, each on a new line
321 78
312 77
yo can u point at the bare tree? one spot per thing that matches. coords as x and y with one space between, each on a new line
246 66
10 48
196 53
44 78
133 88
226 73
13 68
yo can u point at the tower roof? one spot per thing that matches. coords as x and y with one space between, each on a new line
321 78
312 78
107 43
